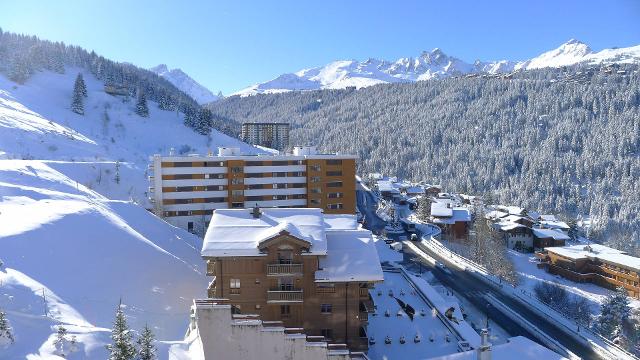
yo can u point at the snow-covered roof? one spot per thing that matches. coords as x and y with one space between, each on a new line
441 209
548 218
458 214
387 186
495 214
518 347
508 226
555 224
596 251
351 256
550 233
513 218
413 189
235 232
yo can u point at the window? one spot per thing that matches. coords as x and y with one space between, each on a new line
253 198
285 256
279 186
315 179
214 176
236 169
279 163
334 206
253 163
297 162
298 186
234 285
285 284
334 184
279 197
285 310
314 201
184 188
298 196
334 162
237 205
237 193
253 186
326 308
214 200
253 175
182 164
316 168
236 181
279 174
182 176
334 173
316 190
190 226
214 188
297 174
327 333
335 195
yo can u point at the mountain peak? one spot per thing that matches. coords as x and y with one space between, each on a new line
185 83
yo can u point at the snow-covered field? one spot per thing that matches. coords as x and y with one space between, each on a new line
75 237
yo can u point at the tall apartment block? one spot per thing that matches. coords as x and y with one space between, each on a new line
185 190
298 267
271 135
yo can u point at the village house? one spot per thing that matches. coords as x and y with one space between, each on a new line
543 238
300 266
452 220
594 263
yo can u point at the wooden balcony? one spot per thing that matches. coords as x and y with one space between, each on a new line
363 316
283 269
284 296
211 268
364 292
211 290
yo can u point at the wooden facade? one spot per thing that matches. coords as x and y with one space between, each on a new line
279 285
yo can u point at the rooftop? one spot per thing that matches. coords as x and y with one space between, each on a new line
351 256
518 347
597 251
550 233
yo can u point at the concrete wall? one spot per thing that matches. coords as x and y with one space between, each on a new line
223 338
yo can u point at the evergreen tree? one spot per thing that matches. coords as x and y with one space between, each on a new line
77 102
146 349
6 333
614 316
122 347
141 106
82 87
203 122
60 340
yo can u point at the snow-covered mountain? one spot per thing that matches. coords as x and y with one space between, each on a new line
75 236
429 65
185 83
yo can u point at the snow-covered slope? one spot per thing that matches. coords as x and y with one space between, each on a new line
36 123
429 65
72 242
185 83
70 255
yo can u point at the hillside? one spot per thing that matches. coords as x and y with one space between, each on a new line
433 64
554 140
74 232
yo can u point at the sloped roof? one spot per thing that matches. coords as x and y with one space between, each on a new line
550 233
351 256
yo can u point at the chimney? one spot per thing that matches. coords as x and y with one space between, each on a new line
256 212
484 350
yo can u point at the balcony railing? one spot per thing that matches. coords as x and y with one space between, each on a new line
211 289
284 269
364 316
211 268
284 296
364 292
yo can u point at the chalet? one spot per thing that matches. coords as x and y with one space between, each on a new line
387 189
516 236
453 221
594 263
298 266
543 238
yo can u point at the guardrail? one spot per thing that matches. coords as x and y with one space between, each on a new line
284 296
576 329
278 269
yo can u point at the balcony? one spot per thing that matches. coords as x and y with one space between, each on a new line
211 268
364 292
363 316
211 289
283 269
284 296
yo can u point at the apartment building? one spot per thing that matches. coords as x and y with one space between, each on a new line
299 266
185 190
271 135
594 263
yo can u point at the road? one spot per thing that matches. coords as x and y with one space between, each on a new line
468 286
473 290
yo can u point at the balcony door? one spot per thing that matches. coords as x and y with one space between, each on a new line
285 255
285 284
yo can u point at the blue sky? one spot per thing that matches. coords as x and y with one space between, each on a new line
229 45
